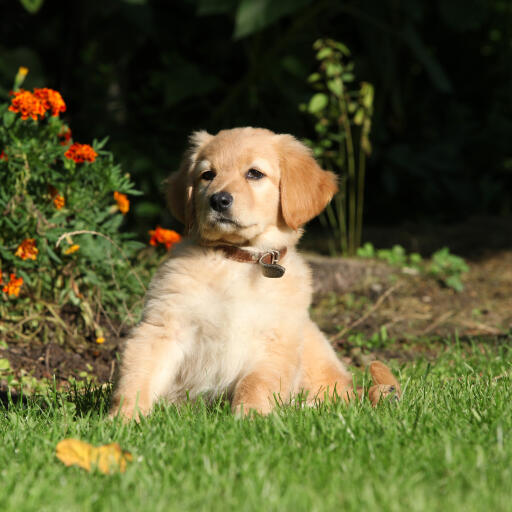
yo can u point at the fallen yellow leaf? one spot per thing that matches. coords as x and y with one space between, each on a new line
108 458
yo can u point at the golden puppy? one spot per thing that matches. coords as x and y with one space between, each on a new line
227 312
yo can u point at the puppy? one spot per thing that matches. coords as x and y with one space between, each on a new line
227 312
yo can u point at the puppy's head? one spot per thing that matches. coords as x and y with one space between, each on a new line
248 186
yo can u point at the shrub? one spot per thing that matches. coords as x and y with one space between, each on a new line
62 203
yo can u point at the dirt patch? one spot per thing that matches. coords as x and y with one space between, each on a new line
51 360
413 306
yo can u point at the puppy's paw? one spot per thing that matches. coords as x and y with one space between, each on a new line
383 392
246 411
127 411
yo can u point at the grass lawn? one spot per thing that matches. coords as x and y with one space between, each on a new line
446 446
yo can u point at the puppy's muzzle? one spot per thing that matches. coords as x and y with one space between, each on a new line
221 201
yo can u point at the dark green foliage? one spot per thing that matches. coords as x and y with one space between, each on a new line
153 71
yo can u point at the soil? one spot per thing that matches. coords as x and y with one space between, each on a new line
398 312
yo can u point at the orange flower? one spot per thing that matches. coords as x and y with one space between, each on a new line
64 136
122 202
28 105
71 249
13 286
59 202
81 153
27 250
3 156
51 100
168 237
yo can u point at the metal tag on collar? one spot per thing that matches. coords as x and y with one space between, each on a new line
271 269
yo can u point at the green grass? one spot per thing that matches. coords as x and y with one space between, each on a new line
446 446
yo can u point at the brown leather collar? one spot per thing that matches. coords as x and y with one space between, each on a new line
267 259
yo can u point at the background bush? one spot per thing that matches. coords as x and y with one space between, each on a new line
62 253
148 72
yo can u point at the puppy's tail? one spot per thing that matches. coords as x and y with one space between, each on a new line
385 383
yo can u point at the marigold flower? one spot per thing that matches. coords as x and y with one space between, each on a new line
3 156
65 136
59 202
51 100
81 153
71 249
28 105
168 237
13 286
123 202
27 250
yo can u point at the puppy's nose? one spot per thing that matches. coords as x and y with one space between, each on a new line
221 201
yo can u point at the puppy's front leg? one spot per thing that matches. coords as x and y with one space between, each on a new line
259 390
149 364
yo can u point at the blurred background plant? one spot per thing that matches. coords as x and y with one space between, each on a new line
343 122
148 72
63 256
445 267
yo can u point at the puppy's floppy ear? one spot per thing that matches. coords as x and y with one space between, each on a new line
305 187
179 185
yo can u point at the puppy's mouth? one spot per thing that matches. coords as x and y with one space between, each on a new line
224 221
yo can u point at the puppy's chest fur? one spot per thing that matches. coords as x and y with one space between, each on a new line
225 316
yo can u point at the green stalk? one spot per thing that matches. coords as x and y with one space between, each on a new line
342 221
351 171
360 192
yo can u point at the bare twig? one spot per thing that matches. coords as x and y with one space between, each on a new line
47 358
487 329
370 312
437 322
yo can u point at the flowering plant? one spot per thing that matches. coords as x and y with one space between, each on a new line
62 204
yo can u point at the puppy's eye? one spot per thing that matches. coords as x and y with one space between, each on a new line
208 175
254 174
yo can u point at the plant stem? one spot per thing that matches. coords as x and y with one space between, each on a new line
360 192
351 172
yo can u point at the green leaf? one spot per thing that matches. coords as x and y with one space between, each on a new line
333 69
252 16
455 283
314 77
432 66
9 118
4 364
324 53
335 86
317 103
341 47
210 7
32 6
359 116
